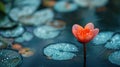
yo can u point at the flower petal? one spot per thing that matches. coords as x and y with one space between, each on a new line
89 26
76 29
96 31
89 36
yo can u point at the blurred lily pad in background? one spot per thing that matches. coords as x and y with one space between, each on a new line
115 58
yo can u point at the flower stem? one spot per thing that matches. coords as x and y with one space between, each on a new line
84 49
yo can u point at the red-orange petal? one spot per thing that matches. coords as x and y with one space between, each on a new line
75 29
89 36
96 31
89 26
85 35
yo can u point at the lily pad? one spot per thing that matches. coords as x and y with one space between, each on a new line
58 24
64 6
61 51
34 3
23 8
16 13
102 38
114 43
15 32
6 23
27 36
9 58
38 18
91 3
46 32
115 58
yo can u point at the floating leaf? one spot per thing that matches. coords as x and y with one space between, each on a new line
61 51
115 58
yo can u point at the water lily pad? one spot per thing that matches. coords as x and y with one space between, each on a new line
40 17
114 43
102 38
64 6
6 23
46 32
58 24
8 6
15 32
91 3
23 8
115 58
27 36
16 13
19 39
61 51
34 3
9 58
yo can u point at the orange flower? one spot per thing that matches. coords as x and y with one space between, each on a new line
86 34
